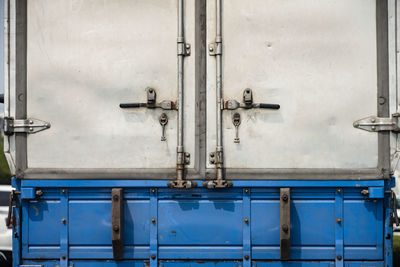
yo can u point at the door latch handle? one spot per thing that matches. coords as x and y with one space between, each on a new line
151 102
248 102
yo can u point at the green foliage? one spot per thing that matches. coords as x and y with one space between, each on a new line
5 175
396 243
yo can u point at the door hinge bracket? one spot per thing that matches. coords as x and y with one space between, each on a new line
215 49
378 124
184 49
29 126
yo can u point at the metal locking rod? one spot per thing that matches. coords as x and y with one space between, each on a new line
216 50
182 51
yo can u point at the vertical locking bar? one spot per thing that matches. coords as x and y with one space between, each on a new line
64 242
117 212
285 223
183 50
246 228
339 246
153 228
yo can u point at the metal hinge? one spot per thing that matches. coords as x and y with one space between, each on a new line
378 124
29 126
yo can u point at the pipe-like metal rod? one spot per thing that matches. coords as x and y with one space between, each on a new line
218 41
181 42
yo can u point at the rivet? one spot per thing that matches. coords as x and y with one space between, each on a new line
211 48
339 190
373 128
373 120
63 220
63 257
153 257
116 197
63 191
285 228
31 129
246 220
153 220
339 257
338 220
30 122
187 46
153 191
116 228
246 257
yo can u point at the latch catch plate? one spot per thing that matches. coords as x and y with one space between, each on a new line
29 126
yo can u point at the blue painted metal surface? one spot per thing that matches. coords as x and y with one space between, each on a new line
332 224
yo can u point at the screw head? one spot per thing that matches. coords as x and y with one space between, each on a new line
115 198
31 129
153 257
63 191
63 256
116 228
246 257
285 228
339 190
187 46
373 120
373 128
338 220
63 220
30 122
339 257
153 220
246 191
246 220
211 48
285 197
153 191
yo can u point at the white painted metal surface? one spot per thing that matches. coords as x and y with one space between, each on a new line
87 57
318 60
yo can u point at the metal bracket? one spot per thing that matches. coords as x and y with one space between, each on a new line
378 124
184 49
215 49
29 126
285 223
116 222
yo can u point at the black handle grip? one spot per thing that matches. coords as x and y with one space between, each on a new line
132 105
270 106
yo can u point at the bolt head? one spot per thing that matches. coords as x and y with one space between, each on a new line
285 197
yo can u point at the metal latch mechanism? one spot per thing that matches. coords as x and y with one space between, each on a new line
29 126
151 102
248 103
378 124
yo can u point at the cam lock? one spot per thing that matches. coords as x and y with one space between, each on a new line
151 102
248 103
